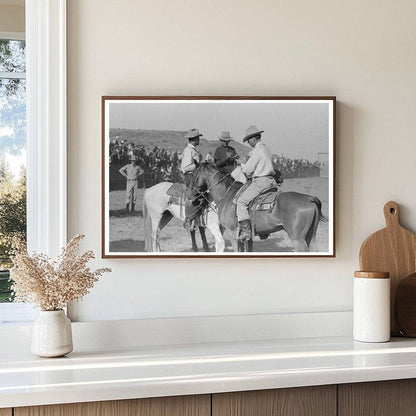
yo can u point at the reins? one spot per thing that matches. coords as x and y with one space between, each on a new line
209 188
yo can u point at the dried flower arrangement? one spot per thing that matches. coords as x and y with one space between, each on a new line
53 285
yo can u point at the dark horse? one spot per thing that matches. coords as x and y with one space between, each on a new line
298 214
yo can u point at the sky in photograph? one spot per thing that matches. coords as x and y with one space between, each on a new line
292 129
13 106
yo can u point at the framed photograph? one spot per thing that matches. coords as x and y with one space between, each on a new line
218 176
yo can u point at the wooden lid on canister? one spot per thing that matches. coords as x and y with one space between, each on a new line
372 275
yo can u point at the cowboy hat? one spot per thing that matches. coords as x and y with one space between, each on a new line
134 158
225 136
252 131
192 134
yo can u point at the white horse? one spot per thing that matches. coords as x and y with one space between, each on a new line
158 211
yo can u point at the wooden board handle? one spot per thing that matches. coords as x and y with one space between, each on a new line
391 214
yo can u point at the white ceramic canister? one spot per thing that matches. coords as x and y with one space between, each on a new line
52 334
371 305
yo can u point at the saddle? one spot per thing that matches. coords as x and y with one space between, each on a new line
265 201
261 205
177 192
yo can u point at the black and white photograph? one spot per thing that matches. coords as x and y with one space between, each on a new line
218 176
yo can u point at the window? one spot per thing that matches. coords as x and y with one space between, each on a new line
12 153
45 27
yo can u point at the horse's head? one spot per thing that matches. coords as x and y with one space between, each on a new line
201 180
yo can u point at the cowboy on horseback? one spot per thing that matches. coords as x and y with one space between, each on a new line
259 167
225 155
191 159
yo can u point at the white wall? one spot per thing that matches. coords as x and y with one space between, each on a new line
361 51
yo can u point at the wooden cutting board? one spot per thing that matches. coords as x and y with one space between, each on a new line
393 250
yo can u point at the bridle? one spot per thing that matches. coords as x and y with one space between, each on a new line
210 185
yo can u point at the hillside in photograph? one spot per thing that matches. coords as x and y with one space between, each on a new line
172 140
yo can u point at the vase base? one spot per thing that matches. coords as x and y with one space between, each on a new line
53 353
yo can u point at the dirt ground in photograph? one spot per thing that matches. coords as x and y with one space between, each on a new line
127 229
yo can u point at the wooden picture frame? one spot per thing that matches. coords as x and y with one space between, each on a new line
299 132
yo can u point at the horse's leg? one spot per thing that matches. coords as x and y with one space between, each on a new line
215 229
300 245
155 206
177 211
234 244
151 225
219 239
247 246
298 231
156 219
166 217
204 238
155 234
250 245
313 245
232 236
194 246
305 239
241 246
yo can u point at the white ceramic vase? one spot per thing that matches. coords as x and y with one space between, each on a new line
52 334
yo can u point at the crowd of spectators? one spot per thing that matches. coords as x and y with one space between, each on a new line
298 168
161 164
158 164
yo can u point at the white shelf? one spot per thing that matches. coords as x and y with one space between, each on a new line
150 371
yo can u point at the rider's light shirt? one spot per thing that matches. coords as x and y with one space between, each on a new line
260 162
190 158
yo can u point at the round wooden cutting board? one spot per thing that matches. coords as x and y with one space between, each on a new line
393 250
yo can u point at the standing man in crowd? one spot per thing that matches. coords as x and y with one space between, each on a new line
225 155
191 158
132 172
259 167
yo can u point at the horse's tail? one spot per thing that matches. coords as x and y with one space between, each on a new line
147 226
317 216
318 204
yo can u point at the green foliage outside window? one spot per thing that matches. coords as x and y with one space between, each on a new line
12 144
12 223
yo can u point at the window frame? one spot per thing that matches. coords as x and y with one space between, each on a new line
46 137
12 35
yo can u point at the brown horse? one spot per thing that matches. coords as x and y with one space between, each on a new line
297 214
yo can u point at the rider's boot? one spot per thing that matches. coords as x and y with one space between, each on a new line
127 207
245 230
